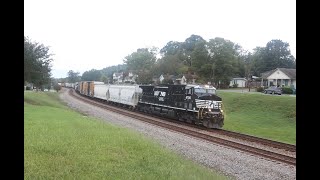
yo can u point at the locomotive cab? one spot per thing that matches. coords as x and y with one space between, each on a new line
208 105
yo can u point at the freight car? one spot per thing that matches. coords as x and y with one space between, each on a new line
194 104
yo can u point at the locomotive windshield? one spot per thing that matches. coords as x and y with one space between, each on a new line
199 90
211 91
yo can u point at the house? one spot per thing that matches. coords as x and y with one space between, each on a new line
279 77
117 77
164 79
131 78
28 86
124 78
181 80
161 78
241 82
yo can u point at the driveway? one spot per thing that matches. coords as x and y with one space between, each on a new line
246 90
237 90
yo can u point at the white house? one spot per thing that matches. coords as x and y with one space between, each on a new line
130 78
279 77
242 82
161 78
181 80
117 77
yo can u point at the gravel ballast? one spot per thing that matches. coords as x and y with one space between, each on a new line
231 162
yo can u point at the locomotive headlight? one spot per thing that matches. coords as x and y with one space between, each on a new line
221 110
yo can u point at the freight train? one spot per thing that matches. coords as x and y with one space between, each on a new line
190 103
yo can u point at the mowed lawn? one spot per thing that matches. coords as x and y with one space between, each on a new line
62 144
267 116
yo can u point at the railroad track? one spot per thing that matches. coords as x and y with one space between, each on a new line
194 133
240 136
267 142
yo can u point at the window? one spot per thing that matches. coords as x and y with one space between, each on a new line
199 90
211 91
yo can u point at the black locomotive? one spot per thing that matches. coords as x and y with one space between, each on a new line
190 103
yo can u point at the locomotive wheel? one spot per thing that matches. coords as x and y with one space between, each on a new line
178 116
210 124
189 121
205 123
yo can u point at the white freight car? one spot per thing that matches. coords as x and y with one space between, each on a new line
91 85
69 85
100 91
128 95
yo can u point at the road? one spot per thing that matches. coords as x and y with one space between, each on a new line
246 90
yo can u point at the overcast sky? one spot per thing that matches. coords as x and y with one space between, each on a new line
94 34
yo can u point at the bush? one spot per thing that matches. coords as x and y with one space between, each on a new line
287 90
57 87
235 85
167 81
224 86
260 89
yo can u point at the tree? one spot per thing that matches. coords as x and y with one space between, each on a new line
171 48
141 62
276 54
223 57
37 63
201 60
104 79
92 75
169 64
188 47
73 76
144 77
142 59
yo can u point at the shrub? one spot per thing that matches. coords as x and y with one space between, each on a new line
235 85
287 90
57 87
260 89
167 81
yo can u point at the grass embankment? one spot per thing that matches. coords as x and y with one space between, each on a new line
267 116
62 144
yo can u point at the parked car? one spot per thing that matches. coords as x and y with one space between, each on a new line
273 90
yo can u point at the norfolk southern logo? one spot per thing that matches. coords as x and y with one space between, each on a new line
211 104
160 95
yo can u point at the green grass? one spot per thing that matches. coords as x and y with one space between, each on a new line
267 116
62 144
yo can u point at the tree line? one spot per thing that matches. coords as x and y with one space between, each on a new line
216 61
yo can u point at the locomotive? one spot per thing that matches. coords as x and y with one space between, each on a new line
190 103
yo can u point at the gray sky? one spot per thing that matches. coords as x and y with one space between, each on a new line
94 34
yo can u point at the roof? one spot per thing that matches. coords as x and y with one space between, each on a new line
291 73
239 78
117 74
